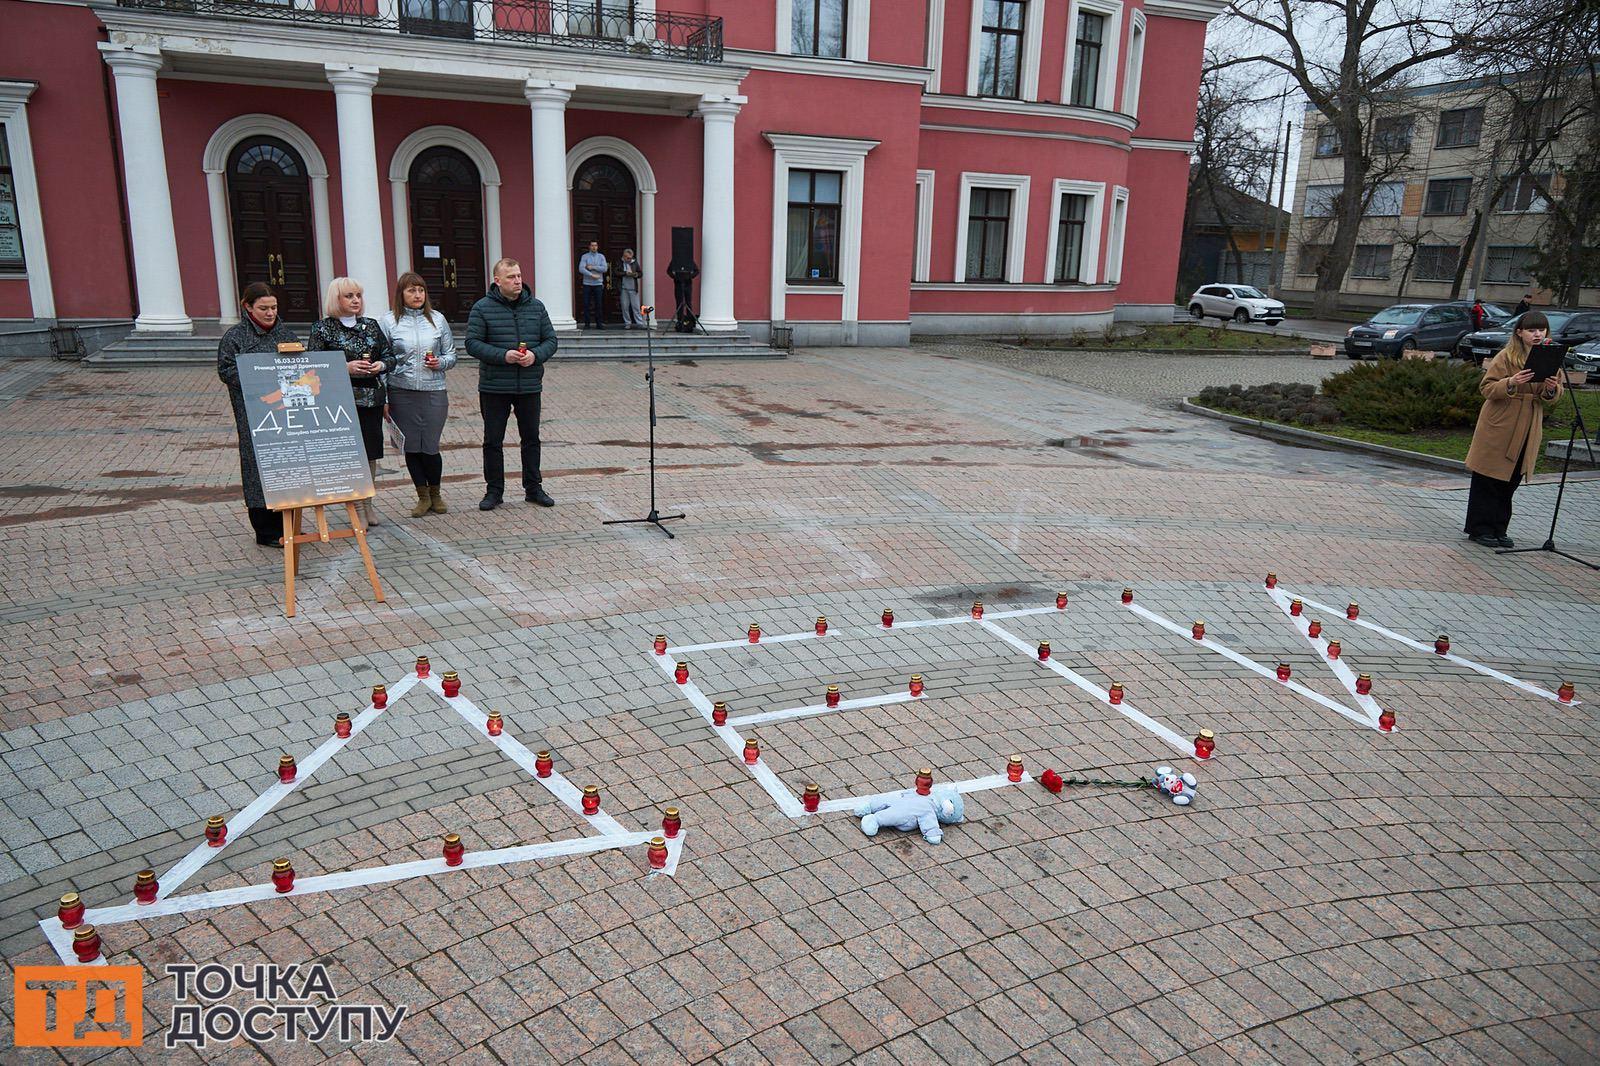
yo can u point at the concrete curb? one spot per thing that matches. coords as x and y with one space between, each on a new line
1327 440
1300 348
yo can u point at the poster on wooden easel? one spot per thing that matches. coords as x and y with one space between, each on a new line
303 424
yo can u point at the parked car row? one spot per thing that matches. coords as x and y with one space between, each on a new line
1447 327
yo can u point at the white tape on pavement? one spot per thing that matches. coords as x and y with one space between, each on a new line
976 784
916 623
811 709
1346 676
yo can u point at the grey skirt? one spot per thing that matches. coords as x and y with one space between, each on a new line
420 416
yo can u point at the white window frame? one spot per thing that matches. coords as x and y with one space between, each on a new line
1016 230
1117 241
30 217
801 152
935 52
857 28
1089 271
1105 93
1032 45
1133 77
923 265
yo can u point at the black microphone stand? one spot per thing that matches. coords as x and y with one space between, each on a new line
655 517
1549 544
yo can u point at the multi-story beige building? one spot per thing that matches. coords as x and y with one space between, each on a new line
1437 151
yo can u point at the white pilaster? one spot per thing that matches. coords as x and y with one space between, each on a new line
25 184
358 184
401 203
144 162
554 258
222 247
716 226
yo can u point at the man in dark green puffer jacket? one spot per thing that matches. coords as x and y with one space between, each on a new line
510 335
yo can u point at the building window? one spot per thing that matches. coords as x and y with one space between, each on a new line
1371 261
1387 199
1327 141
1086 51
1069 237
1310 259
814 198
10 220
1508 263
1459 127
1119 234
1522 194
1000 48
1320 199
1535 121
1436 262
988 220
1393 134
818 28
1447 196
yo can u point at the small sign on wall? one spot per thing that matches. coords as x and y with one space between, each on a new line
430 251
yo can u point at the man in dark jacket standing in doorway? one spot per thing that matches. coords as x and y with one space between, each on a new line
510 335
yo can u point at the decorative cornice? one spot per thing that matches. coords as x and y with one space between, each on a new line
861 70
1201 10
1049 135
1157 144
994 105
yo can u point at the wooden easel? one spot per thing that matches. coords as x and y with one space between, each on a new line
293 538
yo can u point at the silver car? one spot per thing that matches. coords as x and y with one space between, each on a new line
1585 357
1241 303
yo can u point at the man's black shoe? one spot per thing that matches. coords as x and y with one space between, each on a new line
1488 540
540 497
489 502
1506 542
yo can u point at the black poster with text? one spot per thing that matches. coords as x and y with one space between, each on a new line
303 424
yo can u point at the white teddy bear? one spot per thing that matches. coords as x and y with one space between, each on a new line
1181 787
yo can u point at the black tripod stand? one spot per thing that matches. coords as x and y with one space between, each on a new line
1549 544
655 517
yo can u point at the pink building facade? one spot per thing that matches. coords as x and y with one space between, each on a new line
862 171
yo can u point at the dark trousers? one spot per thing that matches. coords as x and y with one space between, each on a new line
1489 505
428 469
497 408
267 523
592 297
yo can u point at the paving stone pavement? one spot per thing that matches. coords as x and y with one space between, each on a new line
1333 895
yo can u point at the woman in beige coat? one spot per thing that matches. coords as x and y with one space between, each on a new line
1505 444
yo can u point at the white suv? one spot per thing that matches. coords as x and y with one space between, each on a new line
1242 303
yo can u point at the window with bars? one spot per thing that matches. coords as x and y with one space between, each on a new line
10 222
1387 198
1447 196
1328 143
1070 236
1436 262
988 225
1535 121
1319 200
1459 127
1393 133
818 28
1508 263
1000 48
1086 55
814 201
1522 194
1371 261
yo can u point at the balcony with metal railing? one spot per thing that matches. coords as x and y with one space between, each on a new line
614 26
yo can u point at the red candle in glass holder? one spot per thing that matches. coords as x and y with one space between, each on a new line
70 910
1441 644
1363 684
752 751
661 644
282 875
86 944
670 822
1352 611
924 781
754 633
543 764
811 799
888 618
977 608
1283 671
494 724
916 684
286 769
1127 595
454 851
1198 631
1205 742
380 696
423 666
216 831
1314 630
822 624
1566 692
591 799
1296 607
1386 721
681 674
1115 693
1335 649
1014 768
341 724
719 713
450 681
832 696
1272 580
1061 601
145 886
658 853
1044 651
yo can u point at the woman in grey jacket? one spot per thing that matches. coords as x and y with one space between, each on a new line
418 403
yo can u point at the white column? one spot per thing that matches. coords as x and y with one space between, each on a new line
358 184
401 203
491 227
554 260
144 163
222 247
716 225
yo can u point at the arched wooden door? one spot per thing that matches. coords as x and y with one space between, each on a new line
603 196
269 197
447 229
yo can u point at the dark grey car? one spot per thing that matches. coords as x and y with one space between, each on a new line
1567 326
1409 327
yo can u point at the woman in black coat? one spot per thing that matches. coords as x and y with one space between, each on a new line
259 332
367 355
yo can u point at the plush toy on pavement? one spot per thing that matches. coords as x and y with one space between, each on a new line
907 810
1181 787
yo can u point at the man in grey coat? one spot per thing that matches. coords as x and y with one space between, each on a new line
628 274
510 335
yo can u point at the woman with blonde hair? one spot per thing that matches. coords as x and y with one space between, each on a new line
367 357
1505 444
424 349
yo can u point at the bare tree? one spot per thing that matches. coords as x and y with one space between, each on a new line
1231 155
